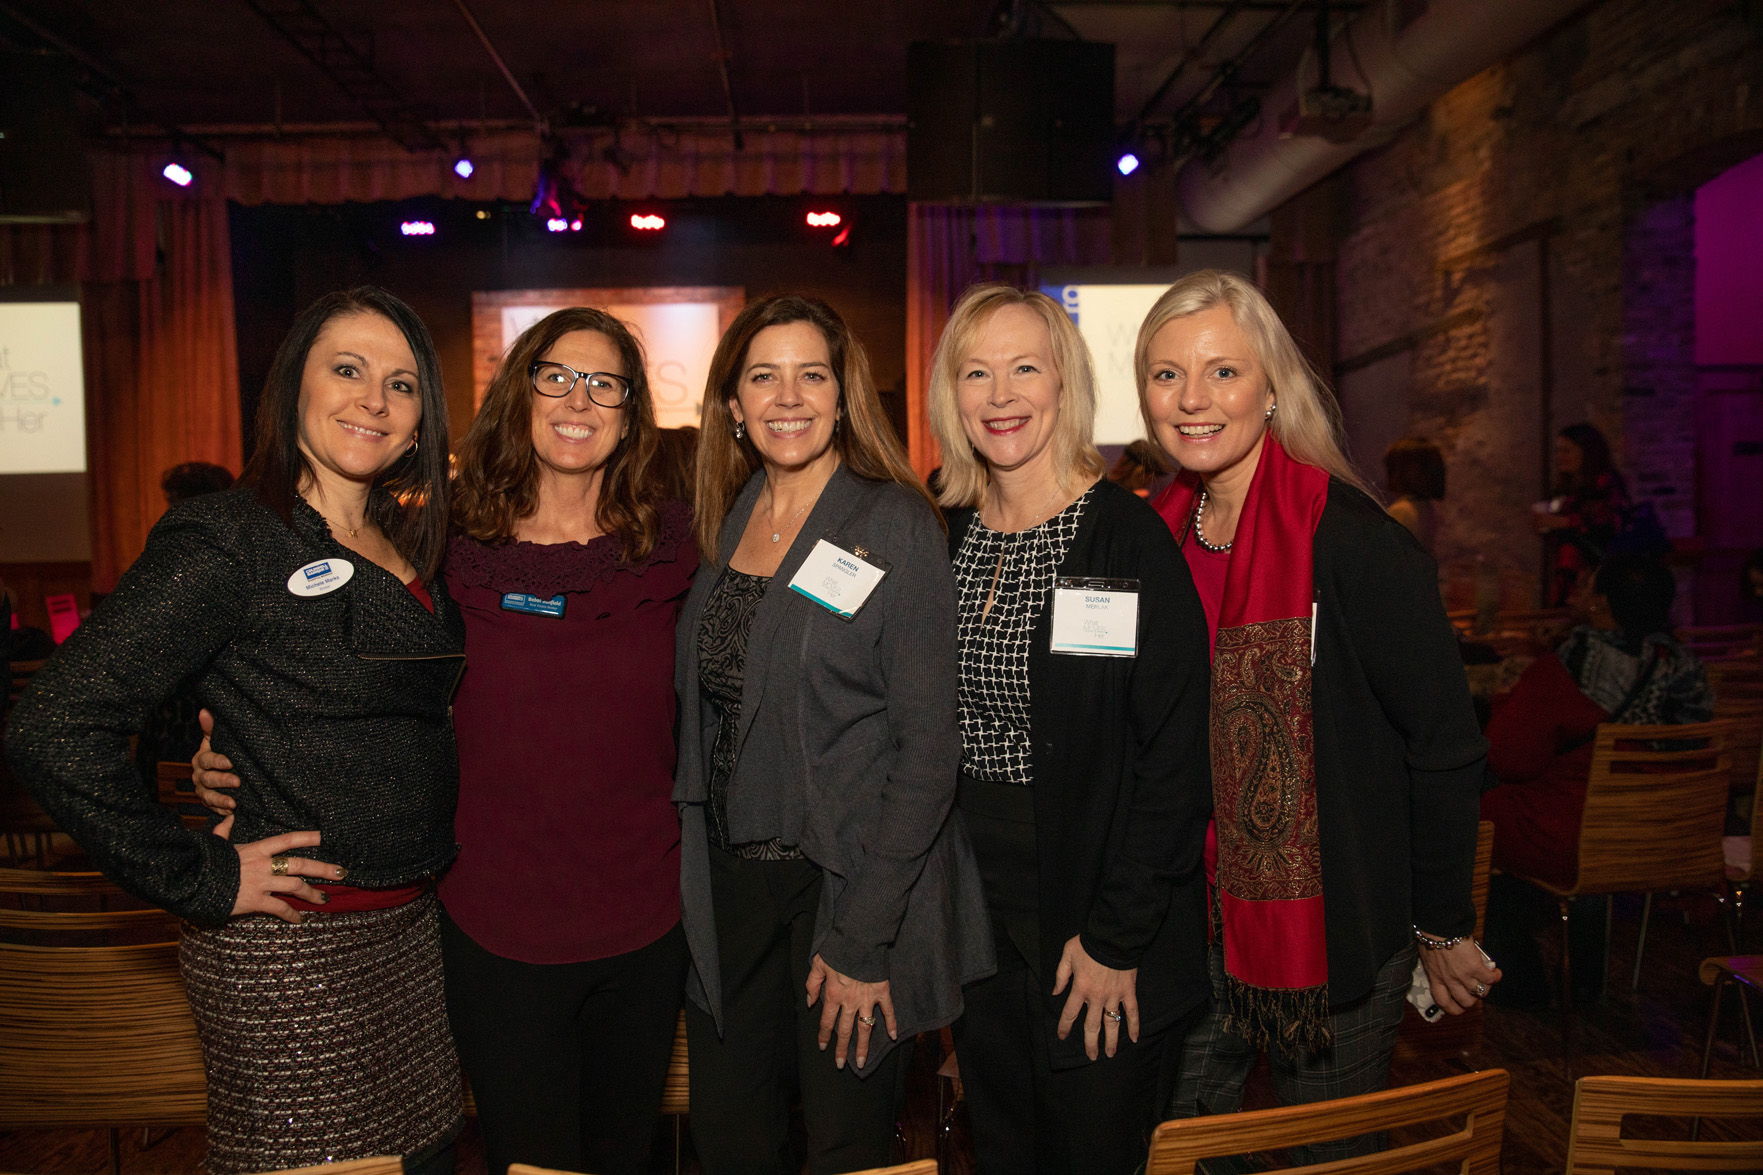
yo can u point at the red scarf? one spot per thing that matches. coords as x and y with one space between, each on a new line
1268 888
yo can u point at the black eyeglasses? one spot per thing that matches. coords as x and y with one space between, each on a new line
559 379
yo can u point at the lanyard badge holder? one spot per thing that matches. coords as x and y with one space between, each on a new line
1096 617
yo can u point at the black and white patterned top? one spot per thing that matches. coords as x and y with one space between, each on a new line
993 691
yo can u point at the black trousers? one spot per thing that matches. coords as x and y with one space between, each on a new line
566 1060
743 1082
1026 1116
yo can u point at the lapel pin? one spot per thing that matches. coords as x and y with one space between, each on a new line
860 552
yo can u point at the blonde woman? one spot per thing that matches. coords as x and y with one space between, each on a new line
831 905
1343 743
1083 751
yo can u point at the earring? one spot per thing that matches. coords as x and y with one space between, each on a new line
740 430
413 446
1272 408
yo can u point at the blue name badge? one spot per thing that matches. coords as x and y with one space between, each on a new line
532 605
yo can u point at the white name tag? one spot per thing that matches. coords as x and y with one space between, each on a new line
838 580
1096 617
321 577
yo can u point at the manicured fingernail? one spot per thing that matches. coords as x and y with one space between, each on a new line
341 873
323 897
840 1063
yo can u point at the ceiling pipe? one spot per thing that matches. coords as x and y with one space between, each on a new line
1404 70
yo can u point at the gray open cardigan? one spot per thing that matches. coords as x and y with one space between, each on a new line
849 749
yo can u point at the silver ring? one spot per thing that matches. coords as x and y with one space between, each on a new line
1481 989
866 1021
1114 1016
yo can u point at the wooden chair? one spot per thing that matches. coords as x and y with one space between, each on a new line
1454 1036
1652 821
1473 1149
176 793
1596 1145
921 1167
1722 640
1740 971
383 1165
82 906
676 1099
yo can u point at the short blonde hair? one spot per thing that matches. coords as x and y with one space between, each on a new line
964 477
1307 422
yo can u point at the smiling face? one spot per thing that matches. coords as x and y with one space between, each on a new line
359 400
572 435
1207 393
787 396
1008 390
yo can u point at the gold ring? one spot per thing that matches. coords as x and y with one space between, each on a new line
867 1021
278 866
1114 1016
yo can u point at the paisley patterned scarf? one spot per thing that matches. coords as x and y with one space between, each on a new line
1267 895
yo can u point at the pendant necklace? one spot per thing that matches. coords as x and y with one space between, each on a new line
778 534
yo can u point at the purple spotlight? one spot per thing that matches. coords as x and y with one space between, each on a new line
178 174
1127 163
417 228
557 225
463 168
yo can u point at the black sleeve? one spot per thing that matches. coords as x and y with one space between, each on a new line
1389 597
68 737
1172 772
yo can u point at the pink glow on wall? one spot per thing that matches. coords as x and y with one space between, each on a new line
1729 266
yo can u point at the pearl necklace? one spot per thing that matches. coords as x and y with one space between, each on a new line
1200 531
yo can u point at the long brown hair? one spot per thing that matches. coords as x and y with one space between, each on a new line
498 482
864 440
408 501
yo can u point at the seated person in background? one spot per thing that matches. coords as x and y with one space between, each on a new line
1139 467
1622 665
192 479
1414 475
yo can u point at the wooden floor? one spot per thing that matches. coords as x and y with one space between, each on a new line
1658 1033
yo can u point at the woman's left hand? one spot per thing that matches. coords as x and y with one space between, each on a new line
1460 975
1112 996
848 1002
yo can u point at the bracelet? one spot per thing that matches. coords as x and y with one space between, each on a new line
1438 944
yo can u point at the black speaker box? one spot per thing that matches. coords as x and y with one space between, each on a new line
43 172
1010 122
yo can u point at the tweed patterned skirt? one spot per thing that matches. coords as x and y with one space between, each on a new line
323 1041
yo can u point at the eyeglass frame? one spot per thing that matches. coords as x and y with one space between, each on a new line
532 376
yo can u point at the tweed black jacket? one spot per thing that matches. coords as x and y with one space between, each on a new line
333 708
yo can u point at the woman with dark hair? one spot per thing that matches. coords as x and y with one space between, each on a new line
560 930
1586 510
1414 476
306 605
829 897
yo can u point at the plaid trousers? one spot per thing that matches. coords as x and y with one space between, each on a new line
1215 1063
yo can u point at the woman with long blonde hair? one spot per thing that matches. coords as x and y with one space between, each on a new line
1343 743
1083 731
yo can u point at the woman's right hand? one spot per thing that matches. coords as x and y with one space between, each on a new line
262 883
213 771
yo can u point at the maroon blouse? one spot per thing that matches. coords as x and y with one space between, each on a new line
569 842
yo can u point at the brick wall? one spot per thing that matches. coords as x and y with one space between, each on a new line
1544 208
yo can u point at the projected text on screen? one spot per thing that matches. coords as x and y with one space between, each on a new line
42 388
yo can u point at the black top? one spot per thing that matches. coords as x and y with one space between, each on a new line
333 708
1014 573
1122 779
722 669
1399 757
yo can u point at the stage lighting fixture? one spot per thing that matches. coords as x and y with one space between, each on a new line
648 222
823 219
463 168
417 228
557 225
1127 163
575 226
178 174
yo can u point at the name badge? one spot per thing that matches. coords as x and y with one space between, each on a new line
1096 617
321 577
838 580
532 605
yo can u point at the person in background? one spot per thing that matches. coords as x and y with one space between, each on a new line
676 458
1586 509
192 479
831 901
308 606
1414 476
1621 664
1751 588
1346 761
1139 467
1084 781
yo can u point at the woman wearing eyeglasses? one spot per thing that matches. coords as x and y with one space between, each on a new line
561 943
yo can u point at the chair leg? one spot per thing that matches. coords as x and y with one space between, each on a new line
1750 1029
1566 993
1640 945
115 1150
1713 1028
678 1139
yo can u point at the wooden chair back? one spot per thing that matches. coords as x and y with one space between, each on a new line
61 906
1474 1148
921 1167
675 1090
175 791
1595 1145
383 1165
1746 716
1722 640
1735 680
1653 818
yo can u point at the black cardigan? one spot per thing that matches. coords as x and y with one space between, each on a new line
1122 779
333 708
1399 757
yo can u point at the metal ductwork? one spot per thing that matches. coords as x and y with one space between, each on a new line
1403 67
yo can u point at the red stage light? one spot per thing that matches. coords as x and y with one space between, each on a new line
823 219
647 222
